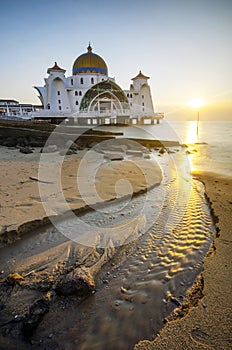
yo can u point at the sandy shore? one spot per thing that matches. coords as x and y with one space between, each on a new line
68 183
207 325
21 200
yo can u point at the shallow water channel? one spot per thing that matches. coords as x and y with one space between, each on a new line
144 281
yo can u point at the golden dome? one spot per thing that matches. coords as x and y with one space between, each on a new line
89 63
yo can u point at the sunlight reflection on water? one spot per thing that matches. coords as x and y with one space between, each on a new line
191 134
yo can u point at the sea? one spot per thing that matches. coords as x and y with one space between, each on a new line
209 143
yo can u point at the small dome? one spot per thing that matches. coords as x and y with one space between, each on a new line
90 63
56 68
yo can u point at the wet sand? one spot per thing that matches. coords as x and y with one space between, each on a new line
204 326
207 311
21 202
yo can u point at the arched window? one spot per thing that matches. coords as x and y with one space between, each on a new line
142 96
76 93
143 104
82 81
77 103
92 81
80 93
130 95
71 81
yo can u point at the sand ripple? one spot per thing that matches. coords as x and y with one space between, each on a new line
143 285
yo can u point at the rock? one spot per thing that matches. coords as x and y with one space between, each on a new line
124 290
14 278
108 146
71 145
170 151
49 149
118 148
36 312
25 150
3 229
67 152
175 301
10 142
162 150
134 153
37 142
93 144
22 141
113 156
147 156
78 282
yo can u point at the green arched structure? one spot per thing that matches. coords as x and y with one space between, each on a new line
106 88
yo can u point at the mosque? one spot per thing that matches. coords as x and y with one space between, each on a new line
90 96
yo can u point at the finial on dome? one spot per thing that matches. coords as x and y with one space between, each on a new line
89 48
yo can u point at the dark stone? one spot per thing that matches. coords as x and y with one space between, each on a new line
25 150
175 301
9 142
78 282
113 157
162 150
34 317
72 145
22 141
67 152
135 153
2 305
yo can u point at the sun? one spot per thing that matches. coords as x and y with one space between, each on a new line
196 103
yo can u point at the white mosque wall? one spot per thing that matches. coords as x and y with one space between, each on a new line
59 100
146 99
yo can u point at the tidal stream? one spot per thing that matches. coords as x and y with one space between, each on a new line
143 282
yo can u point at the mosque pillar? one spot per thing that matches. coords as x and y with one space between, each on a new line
7 109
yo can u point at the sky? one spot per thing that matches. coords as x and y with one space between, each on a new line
184 46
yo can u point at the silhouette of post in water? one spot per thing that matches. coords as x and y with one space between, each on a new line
197 104
198 118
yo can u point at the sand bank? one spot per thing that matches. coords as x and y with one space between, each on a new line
207 325
21 200
41 270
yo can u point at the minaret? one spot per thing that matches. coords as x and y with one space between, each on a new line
142 99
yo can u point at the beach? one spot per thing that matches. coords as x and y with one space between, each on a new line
34 262
207 324
21 201
46 261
